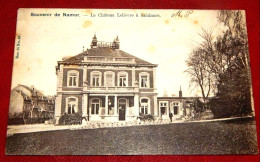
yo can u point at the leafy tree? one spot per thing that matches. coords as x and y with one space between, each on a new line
234 81
222 66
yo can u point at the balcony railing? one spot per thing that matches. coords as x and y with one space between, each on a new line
110 59
114 89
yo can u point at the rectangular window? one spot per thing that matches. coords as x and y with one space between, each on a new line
73 80
95 81
122 81
95 108
144 109
163 108
70 81
71 108
144 106
92 108
163 112
144 81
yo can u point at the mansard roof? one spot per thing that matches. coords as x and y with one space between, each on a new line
108 53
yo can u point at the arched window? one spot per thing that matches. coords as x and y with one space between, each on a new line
145 106
71 105
122 79
144 80
95 105
109 79
95 78
73 77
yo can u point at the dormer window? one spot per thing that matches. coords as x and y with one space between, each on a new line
73 77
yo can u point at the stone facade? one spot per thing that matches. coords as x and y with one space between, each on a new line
105 83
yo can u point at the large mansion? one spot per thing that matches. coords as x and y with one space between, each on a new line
106 83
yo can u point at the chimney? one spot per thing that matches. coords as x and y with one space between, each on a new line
117 43
180 93
94 42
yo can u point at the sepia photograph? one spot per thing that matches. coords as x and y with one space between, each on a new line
131 82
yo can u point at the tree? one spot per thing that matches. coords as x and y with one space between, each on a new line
199 70
234 78
221 67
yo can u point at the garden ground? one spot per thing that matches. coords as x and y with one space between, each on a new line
218 137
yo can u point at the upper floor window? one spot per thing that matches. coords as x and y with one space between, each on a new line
109 79
72 105
73 77
123 79
144 80
95 78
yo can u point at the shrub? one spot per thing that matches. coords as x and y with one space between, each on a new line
70 119
24 118
15 121
146 117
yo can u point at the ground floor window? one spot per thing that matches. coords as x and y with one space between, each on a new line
144 106
95 106
72 106
163 108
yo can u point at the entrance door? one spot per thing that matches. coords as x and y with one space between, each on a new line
122 108
163 109
175 112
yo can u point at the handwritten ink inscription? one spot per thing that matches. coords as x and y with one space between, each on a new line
182 14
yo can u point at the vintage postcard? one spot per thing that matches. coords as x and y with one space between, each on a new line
131 82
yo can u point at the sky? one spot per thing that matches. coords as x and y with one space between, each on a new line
166 40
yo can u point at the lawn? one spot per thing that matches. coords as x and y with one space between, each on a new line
225 137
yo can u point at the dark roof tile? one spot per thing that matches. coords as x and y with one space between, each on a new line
106 52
